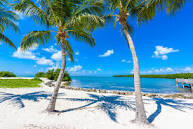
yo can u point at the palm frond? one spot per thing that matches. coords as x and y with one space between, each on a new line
35 37
2 28
108 18
61 10
90 6
69 50
113 4
4 13
29 8
171 6
8 19
5 39
3 2
7 23
86 21
82 36
147 10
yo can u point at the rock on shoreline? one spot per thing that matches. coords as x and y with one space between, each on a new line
51 83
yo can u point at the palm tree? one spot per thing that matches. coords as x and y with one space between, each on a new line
7 20
143 10
65 19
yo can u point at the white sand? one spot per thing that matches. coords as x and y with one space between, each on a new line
24 109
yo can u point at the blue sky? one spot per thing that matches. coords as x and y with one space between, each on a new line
164 45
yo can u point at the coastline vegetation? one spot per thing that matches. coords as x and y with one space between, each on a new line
64 20
53 75
18 83
167 76
67 19
7 74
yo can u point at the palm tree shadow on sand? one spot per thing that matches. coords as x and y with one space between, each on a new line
179 105
108 104
18 98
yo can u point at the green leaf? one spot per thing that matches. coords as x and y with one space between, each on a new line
35 37
5 39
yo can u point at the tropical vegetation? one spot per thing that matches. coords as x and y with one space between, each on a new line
53 74
143 11
168 76
7 74
7 21
19 83
64 19
40 74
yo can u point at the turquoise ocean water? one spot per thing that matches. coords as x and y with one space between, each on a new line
149 85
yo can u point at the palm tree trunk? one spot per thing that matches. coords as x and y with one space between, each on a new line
140 111
51 106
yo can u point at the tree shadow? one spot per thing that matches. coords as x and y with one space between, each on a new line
106 103
18 98
175 104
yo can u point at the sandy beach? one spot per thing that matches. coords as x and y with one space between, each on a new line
24 108
96 64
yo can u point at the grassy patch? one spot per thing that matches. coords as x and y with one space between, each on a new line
19 83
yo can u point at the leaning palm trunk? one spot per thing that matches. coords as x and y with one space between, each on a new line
140 111
51 106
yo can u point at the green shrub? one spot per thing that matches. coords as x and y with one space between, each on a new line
7 74
53 75
40 74
65 78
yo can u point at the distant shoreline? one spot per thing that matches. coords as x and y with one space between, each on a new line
166 76
118 92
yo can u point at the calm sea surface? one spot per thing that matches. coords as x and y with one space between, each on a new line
149 85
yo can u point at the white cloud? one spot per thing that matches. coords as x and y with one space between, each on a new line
164 50
44 61
167 70
164 57
83 71
107 53
57 56
159 71
99 69
188 70
30 55
35 66
125 61
76 68
161 52
77 53
95 71
24 54
50 49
